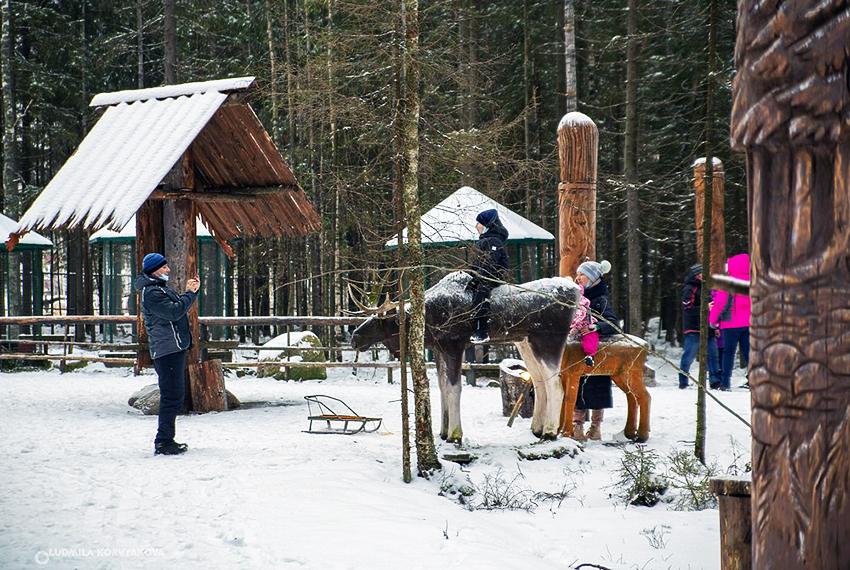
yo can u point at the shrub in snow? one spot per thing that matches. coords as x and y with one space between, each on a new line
300 340
691 479
639 484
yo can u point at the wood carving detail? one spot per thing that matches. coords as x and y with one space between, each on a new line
790 114
578 143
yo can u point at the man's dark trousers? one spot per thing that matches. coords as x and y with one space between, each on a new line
171 369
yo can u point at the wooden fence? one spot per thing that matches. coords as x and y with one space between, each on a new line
67 343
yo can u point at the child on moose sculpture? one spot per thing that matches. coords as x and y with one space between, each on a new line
488 267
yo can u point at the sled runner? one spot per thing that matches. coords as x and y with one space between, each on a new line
347 423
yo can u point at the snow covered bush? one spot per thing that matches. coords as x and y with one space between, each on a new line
639 484
690 478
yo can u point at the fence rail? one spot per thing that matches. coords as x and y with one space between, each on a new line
210 344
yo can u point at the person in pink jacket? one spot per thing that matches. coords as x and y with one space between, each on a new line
731 313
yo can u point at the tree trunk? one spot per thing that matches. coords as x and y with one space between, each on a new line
9 198
426 454
272 73
140 46
708 194
399 170
631 175
170 43
571 94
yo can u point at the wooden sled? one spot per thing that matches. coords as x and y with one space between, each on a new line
347 423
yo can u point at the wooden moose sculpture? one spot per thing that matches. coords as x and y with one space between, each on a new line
623 359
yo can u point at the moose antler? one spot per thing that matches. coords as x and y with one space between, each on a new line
385 307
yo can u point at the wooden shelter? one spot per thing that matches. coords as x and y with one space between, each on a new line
30 261
167 155
451 223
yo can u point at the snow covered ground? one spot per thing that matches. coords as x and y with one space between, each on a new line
82 488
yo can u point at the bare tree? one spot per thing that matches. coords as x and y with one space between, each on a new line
426 454
630 166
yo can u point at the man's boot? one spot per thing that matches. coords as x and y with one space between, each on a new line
594 433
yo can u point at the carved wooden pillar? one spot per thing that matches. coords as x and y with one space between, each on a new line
789 116
718 229
578 143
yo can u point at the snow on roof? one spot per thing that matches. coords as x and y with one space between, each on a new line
32 239
128 233
169 91
120 162
452 221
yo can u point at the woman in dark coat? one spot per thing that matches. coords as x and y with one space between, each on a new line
594 392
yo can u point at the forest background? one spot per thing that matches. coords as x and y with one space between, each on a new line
492 92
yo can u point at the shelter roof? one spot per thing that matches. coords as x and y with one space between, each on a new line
30 241
241 184
452 221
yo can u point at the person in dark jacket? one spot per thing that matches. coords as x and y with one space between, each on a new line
489 267
691 297
594 392
169 336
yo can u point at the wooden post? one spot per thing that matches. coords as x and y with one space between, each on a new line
148 240
181 249
734 504
718 229
789 117
578 142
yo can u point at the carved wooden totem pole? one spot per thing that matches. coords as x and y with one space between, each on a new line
578 143
790 116
718 229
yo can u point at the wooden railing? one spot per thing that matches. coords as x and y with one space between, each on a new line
67 342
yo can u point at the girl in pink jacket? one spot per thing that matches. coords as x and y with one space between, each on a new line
732 314
582 317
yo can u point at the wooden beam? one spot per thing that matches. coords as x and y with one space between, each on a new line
729 284
220 194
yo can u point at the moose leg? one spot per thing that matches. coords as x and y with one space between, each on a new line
643 400
622 380
569 383
544 364
450 387
440 359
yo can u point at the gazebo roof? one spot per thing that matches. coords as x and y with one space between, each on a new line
30 241
128 233
242 186
452 222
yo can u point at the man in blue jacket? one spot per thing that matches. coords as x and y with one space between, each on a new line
169 336
691 295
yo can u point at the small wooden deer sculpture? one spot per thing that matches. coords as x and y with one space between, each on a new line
622 358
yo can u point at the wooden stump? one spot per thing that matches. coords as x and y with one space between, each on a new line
207 382
736 522
512 386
